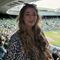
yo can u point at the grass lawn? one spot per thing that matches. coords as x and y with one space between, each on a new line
55 36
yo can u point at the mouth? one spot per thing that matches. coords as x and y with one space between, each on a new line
31 21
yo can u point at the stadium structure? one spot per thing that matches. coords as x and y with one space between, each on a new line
12 7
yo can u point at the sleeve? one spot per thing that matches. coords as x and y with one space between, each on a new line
10 55
15 50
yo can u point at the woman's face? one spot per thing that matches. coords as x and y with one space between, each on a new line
30 17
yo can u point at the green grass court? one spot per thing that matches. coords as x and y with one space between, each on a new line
55 36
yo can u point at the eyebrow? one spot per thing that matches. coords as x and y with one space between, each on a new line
27 12
33 12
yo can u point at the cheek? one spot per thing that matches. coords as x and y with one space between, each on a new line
25 20
35 19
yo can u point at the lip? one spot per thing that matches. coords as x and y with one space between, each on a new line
31 21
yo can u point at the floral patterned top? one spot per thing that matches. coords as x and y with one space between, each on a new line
15 49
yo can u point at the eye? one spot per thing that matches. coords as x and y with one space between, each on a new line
34 14
27 14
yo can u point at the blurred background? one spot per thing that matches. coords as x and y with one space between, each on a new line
49 10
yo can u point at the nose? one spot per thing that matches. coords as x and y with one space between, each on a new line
31 17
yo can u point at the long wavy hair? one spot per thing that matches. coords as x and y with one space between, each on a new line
35 45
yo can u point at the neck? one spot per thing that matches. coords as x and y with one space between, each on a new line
29 28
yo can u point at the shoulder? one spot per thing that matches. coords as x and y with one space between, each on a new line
15 36
14 39
15 49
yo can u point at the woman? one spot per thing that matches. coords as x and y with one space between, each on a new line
29 42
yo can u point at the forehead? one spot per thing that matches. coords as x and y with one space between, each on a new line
30 10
